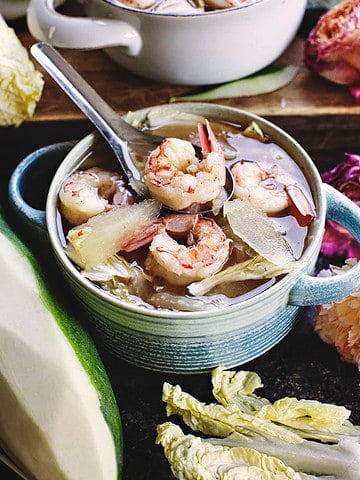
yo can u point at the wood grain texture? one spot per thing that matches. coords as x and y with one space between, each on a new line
322 116
307 95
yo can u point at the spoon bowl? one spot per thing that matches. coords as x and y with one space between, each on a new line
122 137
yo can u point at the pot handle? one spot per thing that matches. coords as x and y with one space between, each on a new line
46 24
37 168
311 290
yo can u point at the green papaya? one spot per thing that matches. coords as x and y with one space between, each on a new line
59 418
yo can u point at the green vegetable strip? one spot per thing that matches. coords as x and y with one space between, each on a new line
265 81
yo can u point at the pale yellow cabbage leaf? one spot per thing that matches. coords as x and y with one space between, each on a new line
248 437
21 84
193 458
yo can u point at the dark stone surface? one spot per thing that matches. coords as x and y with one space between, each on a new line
301 365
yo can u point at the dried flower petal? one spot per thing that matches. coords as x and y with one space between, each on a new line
338 323
333 47
345 177
337 241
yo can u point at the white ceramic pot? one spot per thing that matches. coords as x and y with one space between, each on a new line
195 49
194 341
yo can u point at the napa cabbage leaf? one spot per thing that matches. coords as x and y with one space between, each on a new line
246 436
21 84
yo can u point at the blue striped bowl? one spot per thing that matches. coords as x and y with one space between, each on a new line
198 341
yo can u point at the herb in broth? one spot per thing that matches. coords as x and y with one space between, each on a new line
192 262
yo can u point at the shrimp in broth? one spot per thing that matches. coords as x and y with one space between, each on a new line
203 251
272 190
89 192
176 177
170 253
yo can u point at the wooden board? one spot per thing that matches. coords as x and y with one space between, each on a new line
322 116
307 94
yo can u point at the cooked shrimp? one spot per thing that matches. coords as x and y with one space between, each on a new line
272 190
89 192
220 4
204 252
178 179
141 4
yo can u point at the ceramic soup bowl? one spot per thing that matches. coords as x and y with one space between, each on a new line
183 341
180 48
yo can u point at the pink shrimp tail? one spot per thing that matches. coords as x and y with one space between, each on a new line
209 143
300 206
208 140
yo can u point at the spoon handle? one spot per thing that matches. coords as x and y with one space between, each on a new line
114 129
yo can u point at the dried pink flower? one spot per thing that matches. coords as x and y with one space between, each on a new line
332 48
338 323
345 177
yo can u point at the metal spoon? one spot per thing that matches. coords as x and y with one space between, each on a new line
121 136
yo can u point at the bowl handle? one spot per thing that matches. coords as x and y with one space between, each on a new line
37 170
311 290
46 24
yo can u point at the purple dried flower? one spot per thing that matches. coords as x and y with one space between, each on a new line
333 47
345 177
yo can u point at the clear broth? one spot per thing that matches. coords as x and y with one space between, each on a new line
158 294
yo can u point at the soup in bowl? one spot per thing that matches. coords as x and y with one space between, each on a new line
219 285
190 247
